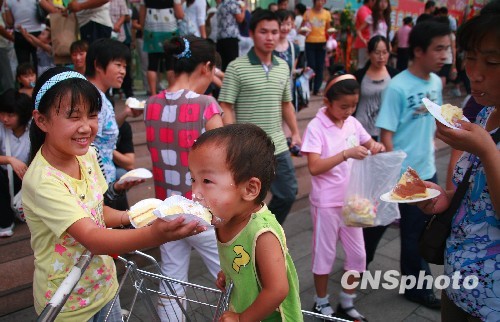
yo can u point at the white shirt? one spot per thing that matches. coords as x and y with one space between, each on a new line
19 146
197 12
24 13
99 15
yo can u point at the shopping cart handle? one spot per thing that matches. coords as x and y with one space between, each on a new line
61 295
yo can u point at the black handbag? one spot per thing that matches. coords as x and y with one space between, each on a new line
432 242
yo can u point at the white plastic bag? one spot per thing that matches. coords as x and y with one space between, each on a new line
17 207
370 178
331 43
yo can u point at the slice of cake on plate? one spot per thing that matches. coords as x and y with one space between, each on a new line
410 186
141 214
450 112
176 205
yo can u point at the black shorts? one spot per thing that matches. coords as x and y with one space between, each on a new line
158 62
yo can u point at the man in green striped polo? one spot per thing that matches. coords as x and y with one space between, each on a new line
256 89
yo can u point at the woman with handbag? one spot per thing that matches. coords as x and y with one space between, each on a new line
373 79
15 116
472 246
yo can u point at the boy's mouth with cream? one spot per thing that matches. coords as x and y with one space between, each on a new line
198 198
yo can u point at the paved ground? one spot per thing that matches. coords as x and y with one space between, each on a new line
375 304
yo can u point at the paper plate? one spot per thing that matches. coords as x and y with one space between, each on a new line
150 201
435 110
134 103
432 193
183 203
139 173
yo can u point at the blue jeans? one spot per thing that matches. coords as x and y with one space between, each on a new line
411 225
315 56
114 316
283 187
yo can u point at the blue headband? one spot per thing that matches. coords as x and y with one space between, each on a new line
54 80
186 53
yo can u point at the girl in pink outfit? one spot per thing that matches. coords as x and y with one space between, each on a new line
331 139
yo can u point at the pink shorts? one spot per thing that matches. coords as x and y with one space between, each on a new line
328 228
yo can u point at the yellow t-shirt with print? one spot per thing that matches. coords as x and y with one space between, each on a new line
52 202
319 21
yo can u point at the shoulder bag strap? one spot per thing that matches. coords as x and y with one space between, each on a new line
448 214
10 172
292 70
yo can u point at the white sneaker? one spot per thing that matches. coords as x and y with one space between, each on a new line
8 231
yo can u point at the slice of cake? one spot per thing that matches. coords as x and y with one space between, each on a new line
450 112
141 214
172 210
410 186
176 204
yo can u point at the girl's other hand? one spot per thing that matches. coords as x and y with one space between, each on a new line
434 205
229 317
220 282
175 229
133 112
358 152
377 147
19 167
126 185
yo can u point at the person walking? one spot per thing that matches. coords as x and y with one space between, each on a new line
229 14
363 12
319 20
256 89
402 43
407 125
373 79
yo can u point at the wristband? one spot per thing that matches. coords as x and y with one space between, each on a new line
344 155
111 193
121 218
177 1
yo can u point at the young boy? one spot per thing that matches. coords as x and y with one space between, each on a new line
106 63
231 171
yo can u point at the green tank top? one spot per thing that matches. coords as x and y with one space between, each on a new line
237 260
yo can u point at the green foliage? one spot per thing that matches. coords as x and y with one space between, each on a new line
346 19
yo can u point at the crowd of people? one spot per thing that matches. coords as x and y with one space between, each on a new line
223 129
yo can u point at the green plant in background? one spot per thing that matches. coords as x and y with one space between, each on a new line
347 19
344 23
